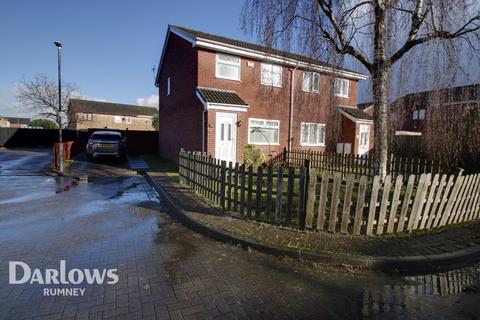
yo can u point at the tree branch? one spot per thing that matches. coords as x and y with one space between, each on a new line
344 47
470 26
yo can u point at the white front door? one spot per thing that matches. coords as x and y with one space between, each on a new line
226 137
364 139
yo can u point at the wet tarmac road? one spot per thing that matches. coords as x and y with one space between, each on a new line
168 272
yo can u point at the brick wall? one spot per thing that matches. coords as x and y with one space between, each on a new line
180 113
273 103
108 121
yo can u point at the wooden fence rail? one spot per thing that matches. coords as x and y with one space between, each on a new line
306 198
351 163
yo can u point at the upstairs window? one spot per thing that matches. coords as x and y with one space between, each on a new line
227 67
341 87
271 75
87 116
310 82
118 119
312 134
419 114
263 132
129 119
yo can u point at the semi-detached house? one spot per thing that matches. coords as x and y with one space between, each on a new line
219 94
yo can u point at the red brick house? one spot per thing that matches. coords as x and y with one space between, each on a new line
218 95
413 111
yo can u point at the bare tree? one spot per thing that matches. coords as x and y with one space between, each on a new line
41 95
376 33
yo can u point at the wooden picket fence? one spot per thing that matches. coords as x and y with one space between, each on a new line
305 199
351 163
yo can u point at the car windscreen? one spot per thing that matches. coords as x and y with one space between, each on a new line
106 137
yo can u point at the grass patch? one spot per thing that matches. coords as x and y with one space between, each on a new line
157 163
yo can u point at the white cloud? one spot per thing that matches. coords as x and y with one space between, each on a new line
151 101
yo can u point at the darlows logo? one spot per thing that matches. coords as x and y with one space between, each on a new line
21 273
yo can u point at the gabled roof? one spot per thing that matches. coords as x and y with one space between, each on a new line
242 48
100 107
453 95
356 113
15 120
229 97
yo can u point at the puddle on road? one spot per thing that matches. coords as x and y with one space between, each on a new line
416 290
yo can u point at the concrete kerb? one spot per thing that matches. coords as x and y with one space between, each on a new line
410 264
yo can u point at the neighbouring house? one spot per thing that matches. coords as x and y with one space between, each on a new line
14 122
219 94
412 112
367 107
90 114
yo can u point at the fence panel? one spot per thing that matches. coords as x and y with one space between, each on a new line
352 164
335 202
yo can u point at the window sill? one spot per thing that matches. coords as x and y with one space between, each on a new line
314 92
341 96
312 145
271 85
264 144
218 77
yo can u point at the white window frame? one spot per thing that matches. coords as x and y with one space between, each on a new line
169 86
311 75
129 119
421 114
271 72
239 65
319 125
87 116
336 85
117 119
415 115
263 144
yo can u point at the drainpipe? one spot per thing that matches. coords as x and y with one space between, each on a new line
203 128
290 113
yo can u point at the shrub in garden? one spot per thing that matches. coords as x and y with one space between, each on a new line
253 156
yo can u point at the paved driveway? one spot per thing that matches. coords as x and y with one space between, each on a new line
168 272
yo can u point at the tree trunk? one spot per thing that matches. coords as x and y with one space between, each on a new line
380 72
379 89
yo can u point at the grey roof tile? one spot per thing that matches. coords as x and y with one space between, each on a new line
100 107
356 113
220 96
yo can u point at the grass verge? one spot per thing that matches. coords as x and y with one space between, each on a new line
157 163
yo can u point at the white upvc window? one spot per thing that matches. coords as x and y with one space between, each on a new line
421 114
227 67
87 116
310 82
271 75
169 86
312 134
263 132
129 119
118 119
341 87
